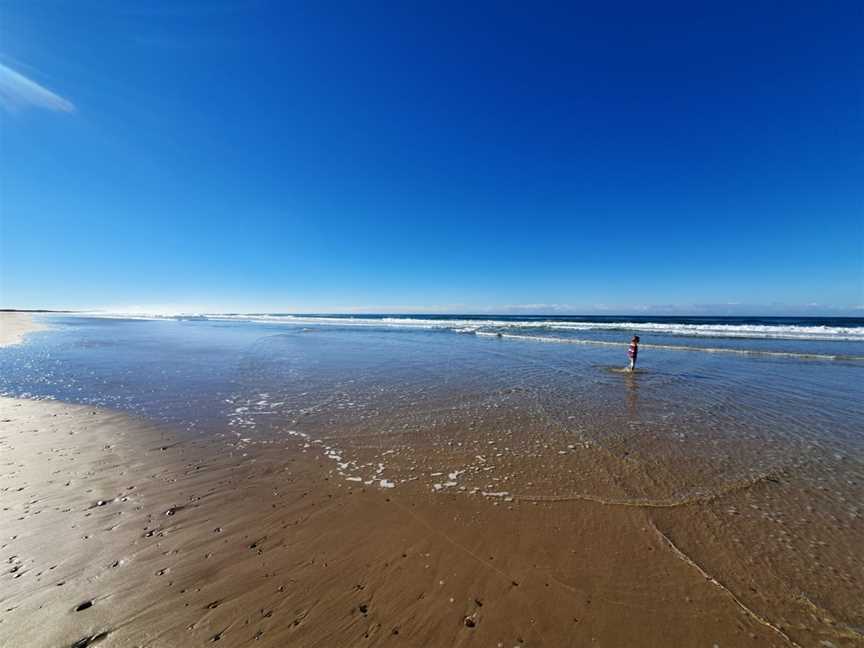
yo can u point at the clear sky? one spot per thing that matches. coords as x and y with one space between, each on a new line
466 156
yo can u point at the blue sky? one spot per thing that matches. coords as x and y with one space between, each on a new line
246 156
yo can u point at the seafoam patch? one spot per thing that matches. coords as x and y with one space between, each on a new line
346 468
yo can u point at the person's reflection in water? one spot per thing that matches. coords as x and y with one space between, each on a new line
631 382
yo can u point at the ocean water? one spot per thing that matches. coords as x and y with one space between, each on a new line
832 337
747 431
732 399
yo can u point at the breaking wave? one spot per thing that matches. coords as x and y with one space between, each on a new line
791 329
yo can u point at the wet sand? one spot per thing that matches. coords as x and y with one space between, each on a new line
117 533
15 326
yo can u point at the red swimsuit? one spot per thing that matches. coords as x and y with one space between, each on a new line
633 350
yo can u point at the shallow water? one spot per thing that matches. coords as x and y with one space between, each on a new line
768 449
696 423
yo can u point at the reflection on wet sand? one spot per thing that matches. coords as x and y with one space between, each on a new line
631 382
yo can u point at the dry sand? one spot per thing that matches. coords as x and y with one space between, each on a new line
115 532
14 327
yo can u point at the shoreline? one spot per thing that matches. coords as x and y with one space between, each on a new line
15 326
175 541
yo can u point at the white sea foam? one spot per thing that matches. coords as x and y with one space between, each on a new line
674 347
469 326
495 493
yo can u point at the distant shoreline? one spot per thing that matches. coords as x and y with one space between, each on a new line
34 310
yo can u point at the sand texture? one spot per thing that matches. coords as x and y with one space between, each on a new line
15 326
115 533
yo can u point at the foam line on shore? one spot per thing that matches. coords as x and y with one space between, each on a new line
697 498
708 577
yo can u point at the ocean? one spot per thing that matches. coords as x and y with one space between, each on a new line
781 381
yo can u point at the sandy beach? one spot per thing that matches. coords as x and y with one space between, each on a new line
14 327
121 531
117 535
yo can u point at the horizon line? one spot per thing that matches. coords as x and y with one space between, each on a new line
857 313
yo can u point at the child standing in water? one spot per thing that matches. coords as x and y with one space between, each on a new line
633 351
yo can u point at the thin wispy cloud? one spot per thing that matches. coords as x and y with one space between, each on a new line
18 92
